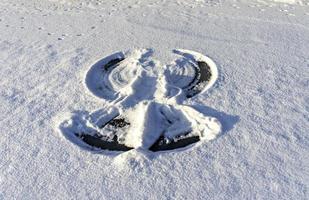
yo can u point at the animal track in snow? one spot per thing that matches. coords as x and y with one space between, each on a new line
146 108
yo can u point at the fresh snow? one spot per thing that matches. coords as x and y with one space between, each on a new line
48 49
149 95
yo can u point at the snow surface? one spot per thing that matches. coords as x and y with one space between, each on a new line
261 98
149 95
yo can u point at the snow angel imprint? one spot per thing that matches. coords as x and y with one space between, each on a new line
146 103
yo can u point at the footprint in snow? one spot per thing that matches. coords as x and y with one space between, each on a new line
146 103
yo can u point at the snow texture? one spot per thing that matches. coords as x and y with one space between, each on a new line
260 98
149 95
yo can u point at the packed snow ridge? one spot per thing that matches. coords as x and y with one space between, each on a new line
146 108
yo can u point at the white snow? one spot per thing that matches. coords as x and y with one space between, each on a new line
48 50
149 95
287 1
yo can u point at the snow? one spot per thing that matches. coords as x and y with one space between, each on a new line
148 95
260 98
286 1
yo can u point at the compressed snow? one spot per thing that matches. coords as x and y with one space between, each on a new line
144 91
260 98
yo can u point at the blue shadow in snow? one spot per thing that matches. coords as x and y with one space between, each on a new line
227 121
94 78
